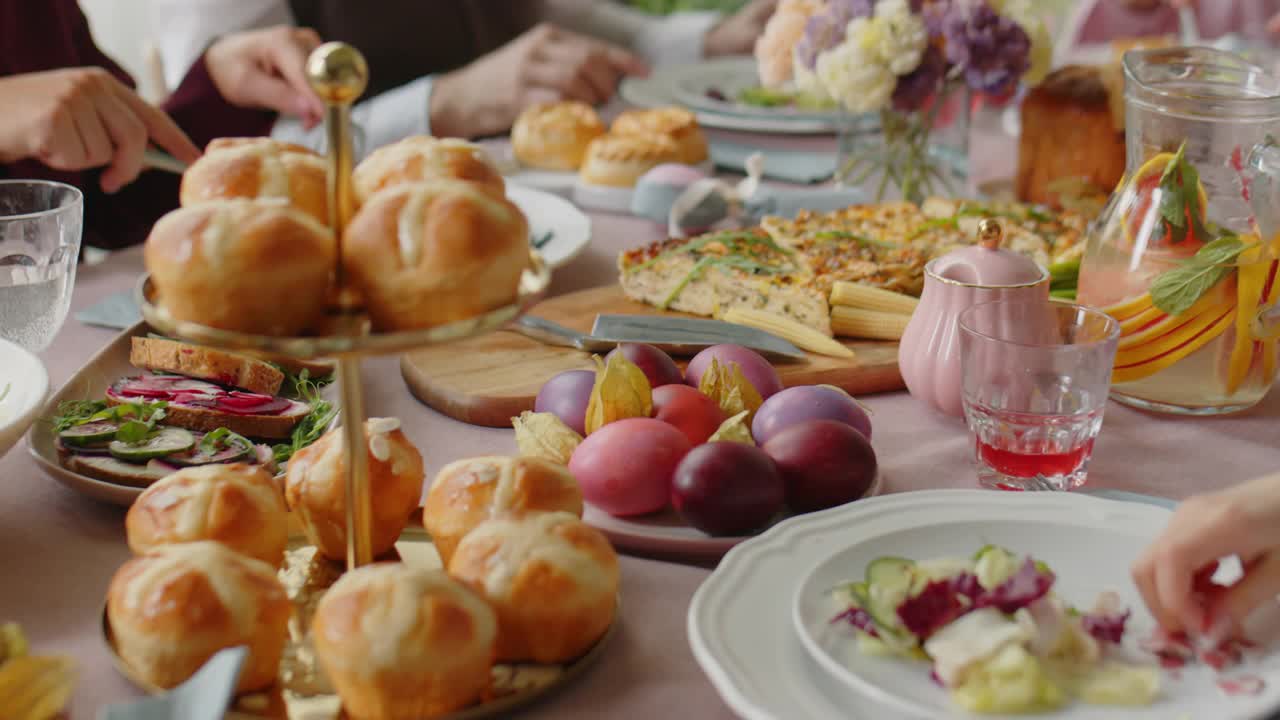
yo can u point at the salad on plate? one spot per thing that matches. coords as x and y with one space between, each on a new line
999 639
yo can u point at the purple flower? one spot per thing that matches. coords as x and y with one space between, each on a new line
993 50
915 88
826 29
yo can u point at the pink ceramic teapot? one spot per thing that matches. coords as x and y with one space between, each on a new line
929 354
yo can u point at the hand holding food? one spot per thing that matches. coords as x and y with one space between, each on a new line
82 118
1173 572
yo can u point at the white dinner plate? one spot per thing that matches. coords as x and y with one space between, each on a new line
23 387
569 228
658 90
691 85
742 621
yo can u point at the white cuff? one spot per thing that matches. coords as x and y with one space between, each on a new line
676 38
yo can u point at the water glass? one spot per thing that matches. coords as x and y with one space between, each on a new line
1035 380
40 225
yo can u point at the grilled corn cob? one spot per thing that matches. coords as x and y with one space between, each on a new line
801 336
870 324
857 295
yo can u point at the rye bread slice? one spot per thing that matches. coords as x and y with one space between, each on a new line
264 427
194 361
109 469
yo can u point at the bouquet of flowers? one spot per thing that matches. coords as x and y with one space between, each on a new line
900 58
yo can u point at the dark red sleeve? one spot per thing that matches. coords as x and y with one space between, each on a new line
200 110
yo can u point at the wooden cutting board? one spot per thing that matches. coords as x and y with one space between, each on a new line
490 379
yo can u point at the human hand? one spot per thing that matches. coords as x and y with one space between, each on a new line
736 34
1172 574
267 69
545 64
81 118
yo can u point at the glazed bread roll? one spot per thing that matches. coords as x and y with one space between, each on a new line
315 487
174 608
468 492
403 643
420 158
552 579
253 266
237 505
620 160
255 168
432 253
677 124
554 136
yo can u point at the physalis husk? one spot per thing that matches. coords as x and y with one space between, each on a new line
730 389
621 391
545 436
734 429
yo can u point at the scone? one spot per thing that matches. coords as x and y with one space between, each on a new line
403 643
254 168
552 579
620 160
677 124
421 158
554 136
237 505
174 608
316 487
427 254
252 266
468 492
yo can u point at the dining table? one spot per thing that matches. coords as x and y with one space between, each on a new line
59 549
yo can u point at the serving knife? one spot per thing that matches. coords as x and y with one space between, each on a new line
675 335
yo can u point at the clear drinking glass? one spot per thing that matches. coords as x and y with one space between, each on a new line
40 224
1035 380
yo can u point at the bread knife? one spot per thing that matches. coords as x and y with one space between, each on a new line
677 336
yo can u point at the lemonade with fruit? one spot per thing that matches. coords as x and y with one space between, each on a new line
1188 293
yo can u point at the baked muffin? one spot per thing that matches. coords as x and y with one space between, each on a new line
620 160
676 124
316 487
252 266
403 643
468 492
177 606
427 254
552 579
554 136
424 158
259 168
237 505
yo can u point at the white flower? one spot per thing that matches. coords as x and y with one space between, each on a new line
854 74
1023 13
807 81
899 36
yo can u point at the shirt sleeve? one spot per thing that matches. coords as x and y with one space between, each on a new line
184 28
380 120
670 39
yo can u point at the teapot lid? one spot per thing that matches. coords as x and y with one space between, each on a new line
987 263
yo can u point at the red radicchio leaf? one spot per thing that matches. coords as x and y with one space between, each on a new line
858 618
1025 587
1105 627
932 609
967 584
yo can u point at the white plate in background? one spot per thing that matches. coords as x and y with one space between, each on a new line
548 213
24 385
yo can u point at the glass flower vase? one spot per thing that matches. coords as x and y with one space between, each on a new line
908 155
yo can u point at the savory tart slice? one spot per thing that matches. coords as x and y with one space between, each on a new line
710 274
1046 236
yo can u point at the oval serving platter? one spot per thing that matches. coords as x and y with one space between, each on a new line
302 691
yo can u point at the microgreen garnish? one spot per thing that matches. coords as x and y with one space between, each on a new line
933 225
135 421
540 241
860 239
1180 199
313 425
222 439
1176 290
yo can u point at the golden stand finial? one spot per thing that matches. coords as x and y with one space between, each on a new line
990 234
338 73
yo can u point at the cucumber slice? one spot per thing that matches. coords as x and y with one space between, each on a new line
890 572
168 441
88 434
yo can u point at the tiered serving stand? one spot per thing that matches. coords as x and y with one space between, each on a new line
338 73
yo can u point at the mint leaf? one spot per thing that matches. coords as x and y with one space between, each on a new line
133 432
1175 291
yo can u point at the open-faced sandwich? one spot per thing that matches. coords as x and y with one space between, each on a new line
192 405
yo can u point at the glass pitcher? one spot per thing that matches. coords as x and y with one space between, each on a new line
1185 254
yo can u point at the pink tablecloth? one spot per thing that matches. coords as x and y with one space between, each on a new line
58 549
